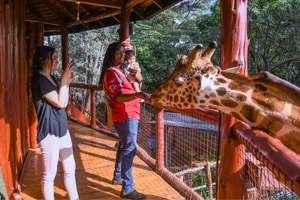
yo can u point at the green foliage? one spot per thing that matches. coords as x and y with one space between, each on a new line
162 40
273 31
274 35
156 62
199 178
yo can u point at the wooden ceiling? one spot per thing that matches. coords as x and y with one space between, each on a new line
89 14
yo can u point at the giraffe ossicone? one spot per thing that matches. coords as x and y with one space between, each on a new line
257 100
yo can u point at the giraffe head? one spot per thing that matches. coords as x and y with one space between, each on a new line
196 82
192 76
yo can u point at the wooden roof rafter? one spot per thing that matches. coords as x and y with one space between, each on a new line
53 9
67 10
92 13
34 11
94 18
100 3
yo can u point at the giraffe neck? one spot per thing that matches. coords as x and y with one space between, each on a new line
257 108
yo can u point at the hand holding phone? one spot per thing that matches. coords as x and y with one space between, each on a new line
72 63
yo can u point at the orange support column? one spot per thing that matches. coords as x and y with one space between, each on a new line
124 25
160 138
64 47
234 46
93 109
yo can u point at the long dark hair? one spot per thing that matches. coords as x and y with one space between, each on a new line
41 55
109 58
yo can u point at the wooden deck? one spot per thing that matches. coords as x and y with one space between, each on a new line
95 155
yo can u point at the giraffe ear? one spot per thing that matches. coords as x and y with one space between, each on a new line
234 70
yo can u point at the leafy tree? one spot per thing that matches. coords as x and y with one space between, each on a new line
162 40
273 30
274 38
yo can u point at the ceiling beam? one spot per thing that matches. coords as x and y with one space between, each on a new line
44 21
103 3
95 18
132 3
33 10
65 9
157 4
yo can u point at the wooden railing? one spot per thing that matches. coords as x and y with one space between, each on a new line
93 89
282 162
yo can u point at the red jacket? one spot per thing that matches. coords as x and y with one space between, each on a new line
115 82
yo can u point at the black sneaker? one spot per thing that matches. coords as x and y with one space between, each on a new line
117 182
134 195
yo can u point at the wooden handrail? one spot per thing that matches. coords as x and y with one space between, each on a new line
281 161
93 89
86 86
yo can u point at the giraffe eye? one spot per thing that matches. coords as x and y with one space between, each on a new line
203 71
179 80
197 76
178 84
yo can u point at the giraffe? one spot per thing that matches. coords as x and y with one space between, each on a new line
261 100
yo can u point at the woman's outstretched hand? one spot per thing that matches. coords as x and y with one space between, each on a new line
144 95
68 74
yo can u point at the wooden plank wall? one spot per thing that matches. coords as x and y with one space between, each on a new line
14 72
34 38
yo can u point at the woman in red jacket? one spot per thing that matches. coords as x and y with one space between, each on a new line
125 115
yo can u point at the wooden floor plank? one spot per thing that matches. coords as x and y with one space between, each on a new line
94 155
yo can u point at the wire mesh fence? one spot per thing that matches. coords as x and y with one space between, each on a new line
191 153
260 183
191 148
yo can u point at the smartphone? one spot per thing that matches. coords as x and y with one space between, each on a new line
72 63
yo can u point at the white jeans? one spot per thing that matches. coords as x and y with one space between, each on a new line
54 148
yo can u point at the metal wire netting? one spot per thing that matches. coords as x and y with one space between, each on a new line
191 154
191 148
261 183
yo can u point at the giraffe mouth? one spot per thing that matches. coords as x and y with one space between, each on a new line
155 100
159 99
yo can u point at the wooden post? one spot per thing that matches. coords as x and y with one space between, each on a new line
64 47
124 25
93 108
65 56
160 138
209 181
234 45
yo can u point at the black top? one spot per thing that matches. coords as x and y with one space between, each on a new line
50 119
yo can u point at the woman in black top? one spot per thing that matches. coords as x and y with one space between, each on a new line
50 100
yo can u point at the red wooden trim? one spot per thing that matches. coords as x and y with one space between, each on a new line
234 47
86 86
93 108
64 45
124 24
279 159
210 116
160 135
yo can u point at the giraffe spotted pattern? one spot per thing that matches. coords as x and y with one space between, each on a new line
197 83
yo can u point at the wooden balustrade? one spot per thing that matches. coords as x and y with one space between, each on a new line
282 162
93 89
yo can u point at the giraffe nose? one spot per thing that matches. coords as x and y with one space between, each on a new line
199 46
154 97
155 101
213 44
